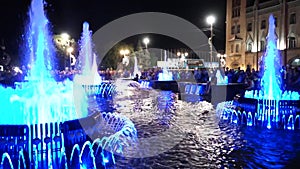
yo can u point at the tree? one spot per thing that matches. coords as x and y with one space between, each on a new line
113 56
61 47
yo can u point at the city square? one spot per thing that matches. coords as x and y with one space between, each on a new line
128 84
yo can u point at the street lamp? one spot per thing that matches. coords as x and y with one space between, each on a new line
182 58
182 54
65 40
65 36
70 50
146 41
222 59
125 52
65 44
211 20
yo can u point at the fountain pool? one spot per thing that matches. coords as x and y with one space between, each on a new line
270 106
143 128
41 120
200 139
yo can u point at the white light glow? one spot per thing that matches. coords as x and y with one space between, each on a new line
210 19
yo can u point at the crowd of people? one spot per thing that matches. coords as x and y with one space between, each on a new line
8 77
251 78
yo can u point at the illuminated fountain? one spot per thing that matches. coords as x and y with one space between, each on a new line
38 118
165 75
87 60
41 99
270 106
165 79
221 80
89 77
136 68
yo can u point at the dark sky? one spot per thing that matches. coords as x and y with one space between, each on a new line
68 15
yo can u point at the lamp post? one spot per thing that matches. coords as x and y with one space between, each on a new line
147 59
124 53
211 20
182 56
65 36
70 50
146 41
222 60
65 42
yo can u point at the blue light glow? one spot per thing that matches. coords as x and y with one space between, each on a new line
105 160
273 107
221 80
271 79
43 104
165 75
6 156
41 99
87 60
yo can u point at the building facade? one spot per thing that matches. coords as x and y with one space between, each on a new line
247 29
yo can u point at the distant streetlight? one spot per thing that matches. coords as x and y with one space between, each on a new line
182 56
70 50
124 53
222 59
65 43
211 20
65 36
146 41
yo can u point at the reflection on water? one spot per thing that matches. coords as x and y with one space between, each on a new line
200 140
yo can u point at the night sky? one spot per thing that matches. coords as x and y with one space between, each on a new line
68 15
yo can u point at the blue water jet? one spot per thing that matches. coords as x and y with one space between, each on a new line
87 60
269 107
271 79
221 80
165 75
45 106
41 99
